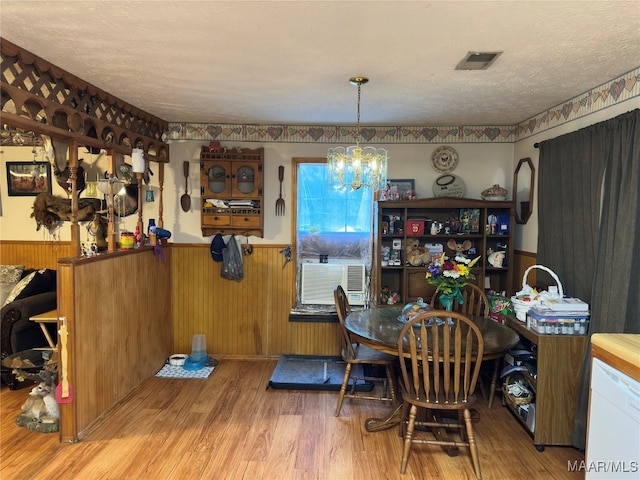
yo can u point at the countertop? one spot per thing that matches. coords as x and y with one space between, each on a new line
620 350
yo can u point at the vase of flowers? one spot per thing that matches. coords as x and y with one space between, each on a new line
449 276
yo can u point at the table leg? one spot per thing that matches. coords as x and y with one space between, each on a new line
494 381
47 336
440 433
390 421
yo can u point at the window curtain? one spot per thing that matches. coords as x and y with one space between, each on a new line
589 229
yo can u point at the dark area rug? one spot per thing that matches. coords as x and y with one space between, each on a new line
304 372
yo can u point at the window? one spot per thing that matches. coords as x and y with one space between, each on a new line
332 223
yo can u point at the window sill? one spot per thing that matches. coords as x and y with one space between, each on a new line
316 317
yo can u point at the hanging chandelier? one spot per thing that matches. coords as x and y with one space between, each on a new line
357 166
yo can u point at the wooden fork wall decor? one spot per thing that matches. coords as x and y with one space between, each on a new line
280 200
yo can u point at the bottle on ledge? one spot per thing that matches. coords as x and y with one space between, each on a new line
152 232
138 237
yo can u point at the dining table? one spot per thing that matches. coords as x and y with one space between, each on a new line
379 328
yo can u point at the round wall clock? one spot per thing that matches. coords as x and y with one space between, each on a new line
444 159
448 185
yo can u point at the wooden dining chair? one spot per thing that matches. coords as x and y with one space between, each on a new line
439 367
476 303
354 353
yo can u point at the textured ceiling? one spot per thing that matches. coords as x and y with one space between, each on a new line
280 62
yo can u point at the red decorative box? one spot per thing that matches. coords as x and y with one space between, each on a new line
415 228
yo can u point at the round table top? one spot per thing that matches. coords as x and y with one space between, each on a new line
381 327
32 359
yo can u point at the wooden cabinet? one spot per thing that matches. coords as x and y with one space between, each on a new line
555 384
486 225
231 191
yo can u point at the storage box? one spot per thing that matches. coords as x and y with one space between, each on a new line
550 322
566 304
415 227
503 225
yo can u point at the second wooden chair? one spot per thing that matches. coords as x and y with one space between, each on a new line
353 353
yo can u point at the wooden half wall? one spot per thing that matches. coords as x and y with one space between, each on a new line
118 315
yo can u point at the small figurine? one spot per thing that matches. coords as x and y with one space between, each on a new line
496 259
386 255
459 248
384 294
465 221
40 403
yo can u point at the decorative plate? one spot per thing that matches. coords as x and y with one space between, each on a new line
444 159
448 185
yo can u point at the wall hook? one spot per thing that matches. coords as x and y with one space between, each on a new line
287 253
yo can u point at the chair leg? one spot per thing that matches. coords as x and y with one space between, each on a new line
473 448
407 438
343 388
494 381
404 415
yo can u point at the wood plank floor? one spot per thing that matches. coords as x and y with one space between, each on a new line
231 426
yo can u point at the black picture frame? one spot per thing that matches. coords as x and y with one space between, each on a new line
28 178
404 186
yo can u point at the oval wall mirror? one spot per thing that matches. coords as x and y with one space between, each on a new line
523 182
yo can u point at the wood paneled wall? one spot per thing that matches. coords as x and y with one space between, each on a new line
245 318
522 261
33 254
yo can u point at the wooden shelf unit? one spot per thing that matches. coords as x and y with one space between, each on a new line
409 281
232 176
559 368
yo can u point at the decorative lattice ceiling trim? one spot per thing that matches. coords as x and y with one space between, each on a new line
45 99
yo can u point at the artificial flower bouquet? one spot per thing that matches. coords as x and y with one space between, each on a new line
448 275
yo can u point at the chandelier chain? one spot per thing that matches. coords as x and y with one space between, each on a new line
358 117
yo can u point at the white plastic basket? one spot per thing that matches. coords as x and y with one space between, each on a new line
521 307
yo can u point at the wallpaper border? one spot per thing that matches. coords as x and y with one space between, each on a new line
618 90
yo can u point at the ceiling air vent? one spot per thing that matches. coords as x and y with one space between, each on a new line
477 60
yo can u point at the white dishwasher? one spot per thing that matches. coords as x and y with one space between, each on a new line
613 440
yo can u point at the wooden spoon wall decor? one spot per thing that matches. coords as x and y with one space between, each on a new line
185 200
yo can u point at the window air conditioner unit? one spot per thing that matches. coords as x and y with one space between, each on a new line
319 280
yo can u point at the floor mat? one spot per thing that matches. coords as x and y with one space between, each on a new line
175 371
304 372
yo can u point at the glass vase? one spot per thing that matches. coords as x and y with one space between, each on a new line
447 299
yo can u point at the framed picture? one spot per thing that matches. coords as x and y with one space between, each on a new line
469 221
401 189
28 178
